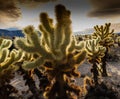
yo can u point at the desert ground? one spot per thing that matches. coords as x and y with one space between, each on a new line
113 69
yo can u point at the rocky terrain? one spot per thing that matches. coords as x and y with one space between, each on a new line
113 69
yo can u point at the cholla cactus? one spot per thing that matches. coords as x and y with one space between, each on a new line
55 49
7 58
7 68
94 53
106 35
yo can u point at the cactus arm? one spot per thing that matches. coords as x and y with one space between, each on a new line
62 26
15 56
44 35
46 22
88 47
58 36
34 64
32 35
47 28
18 55
3 55
6 43
8 62
21 44
79 58
80 45
71 46
67 31
67 35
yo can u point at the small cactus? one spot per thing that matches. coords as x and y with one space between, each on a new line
106 35
94 54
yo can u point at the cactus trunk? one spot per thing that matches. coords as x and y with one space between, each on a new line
61 90
95 73
103 66
58 87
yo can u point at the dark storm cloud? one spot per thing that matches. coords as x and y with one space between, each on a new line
8 11
77 5
33 3
105 8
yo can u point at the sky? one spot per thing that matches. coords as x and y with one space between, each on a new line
84 13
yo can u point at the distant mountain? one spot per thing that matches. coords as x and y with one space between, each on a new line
16 32
86 31
11 33
12 29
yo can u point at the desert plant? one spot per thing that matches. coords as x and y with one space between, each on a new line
106 36
7 68
94 54
55 49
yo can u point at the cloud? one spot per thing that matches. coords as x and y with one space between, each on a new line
105 8
33 3
10 10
